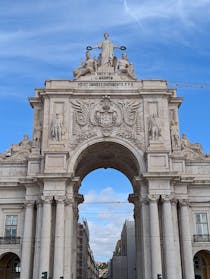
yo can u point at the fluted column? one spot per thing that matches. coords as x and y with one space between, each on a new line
26 258
59 238
37 239
155 236
176 239
168 238
69 223
187 258
46 235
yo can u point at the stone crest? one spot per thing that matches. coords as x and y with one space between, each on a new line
106 115
108 118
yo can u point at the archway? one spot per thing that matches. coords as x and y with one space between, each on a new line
107 154
9 266
106 208
112 155
202 264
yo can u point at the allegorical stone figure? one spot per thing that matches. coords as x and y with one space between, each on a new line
88 66
175 140
25 144
124 66
57 129
107 50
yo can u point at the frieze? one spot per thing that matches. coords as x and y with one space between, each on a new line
87 84
106 117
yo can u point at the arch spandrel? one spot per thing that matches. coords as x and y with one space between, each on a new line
109 153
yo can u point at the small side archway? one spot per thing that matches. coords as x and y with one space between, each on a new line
202 264
9 266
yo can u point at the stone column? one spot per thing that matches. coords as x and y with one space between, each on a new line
155 236
168 238
145 238
74 244
37 239
176 239
78 198
134 198
26 258
187 258
69 223
59 238
46 235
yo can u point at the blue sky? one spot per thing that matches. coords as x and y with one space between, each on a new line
46 39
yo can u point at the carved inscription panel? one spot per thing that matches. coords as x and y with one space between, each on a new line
106 117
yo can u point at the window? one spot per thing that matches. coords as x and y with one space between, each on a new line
11 226
201 224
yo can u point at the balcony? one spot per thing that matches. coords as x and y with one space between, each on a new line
9 240
201 238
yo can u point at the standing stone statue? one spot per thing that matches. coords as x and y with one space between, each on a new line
57 130
175 140
107 50
154 128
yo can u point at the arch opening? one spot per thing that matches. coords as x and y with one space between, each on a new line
107 155
105 210
202 264
9 266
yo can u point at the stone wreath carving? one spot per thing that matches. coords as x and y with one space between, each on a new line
107 118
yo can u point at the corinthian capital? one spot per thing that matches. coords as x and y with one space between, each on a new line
29 203
46 199
166 197
184 202
153 197
60 199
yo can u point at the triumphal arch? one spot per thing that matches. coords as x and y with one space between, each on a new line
105 117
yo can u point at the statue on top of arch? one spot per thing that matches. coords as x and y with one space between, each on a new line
106 65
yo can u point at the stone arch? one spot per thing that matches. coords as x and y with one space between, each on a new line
202 264
9 266
107 153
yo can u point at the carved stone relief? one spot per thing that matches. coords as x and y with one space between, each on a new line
57 128
175 140
191 150
154 130
19 151
106 66
106 117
